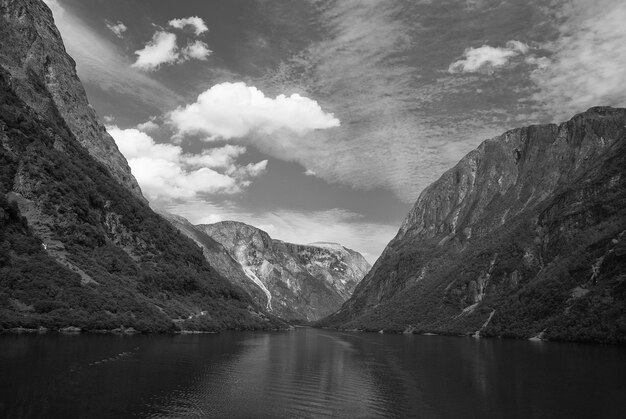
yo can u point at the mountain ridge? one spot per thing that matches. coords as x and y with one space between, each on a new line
79 246
305 282
45 77
484 224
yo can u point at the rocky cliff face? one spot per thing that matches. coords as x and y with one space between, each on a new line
302 282
220 259
43 75
76 247
339 266
523 237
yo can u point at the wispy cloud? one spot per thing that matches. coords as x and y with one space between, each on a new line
588 62
363 70
101 63
356 70
404 122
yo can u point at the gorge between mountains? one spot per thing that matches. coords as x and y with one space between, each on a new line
523 238
194 227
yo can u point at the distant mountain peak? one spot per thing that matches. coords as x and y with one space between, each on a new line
306 282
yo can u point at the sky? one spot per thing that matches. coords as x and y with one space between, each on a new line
322 120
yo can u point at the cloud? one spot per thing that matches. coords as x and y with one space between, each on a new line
222 157
362 69
117 28
145 126
377 66
335 225
197 50
165 173
487 59
162 49
235 110
540 62
197 23
588 62
309 172
101 63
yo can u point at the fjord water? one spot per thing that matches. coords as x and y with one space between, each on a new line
307 373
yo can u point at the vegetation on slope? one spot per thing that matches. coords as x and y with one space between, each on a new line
136 269
557 269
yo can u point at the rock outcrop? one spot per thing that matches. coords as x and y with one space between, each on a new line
302 282
525 236
44 76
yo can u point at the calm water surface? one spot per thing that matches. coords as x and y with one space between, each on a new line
307 373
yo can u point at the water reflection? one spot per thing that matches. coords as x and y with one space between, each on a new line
306 373
303 374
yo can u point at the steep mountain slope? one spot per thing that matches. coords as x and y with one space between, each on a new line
523 237
305 282
76 247
339 266
219 258
44 76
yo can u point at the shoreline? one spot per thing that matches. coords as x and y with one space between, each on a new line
125 331
74 331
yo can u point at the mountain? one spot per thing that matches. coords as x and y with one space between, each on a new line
219 258
302 282
524 237
44 76
79 246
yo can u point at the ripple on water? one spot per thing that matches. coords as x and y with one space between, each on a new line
306 373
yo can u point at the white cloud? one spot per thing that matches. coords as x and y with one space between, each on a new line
487 58
235 110
335 225
252 169
149 125
309 172
160 50
197 50
117 28
165 173
222 157
163 49
367 66
588 62
196 22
